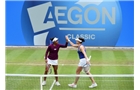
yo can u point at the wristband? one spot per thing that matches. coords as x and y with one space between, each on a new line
68 40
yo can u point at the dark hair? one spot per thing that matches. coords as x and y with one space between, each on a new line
83 40
51 39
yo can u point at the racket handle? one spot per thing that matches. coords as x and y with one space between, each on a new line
89 58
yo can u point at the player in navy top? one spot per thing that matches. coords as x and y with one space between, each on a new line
83 61
51 57
81 55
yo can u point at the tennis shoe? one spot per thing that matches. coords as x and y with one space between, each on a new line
93 85
57 83
72 85
43 83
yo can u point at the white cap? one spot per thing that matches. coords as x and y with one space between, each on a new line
77 39
55 39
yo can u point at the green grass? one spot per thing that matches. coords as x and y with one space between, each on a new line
32 83
31 61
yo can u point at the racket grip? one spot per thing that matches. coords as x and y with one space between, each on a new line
89 57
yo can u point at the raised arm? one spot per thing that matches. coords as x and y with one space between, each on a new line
64 46
71 43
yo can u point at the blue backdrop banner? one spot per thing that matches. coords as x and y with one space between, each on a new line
100 23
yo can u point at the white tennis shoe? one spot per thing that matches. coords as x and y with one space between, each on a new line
93 85
72 85
43 83
57 83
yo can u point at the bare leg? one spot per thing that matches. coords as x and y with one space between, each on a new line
55 68
79 69
91 78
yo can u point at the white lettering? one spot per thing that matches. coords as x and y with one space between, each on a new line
85 36
58 14
84 17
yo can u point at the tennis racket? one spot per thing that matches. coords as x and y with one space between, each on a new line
86 67
50 69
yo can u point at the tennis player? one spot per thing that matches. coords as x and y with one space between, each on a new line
83 60
51 58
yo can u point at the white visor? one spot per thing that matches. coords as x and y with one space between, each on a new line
77 39
55 39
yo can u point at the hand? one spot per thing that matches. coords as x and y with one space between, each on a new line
67 38
88 62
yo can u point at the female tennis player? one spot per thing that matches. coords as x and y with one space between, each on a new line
83 60
51 58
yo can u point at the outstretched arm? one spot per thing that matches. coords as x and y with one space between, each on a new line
64 46
71 43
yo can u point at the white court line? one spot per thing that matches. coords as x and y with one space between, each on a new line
41 87
71 75
52 85
71 48
80 80
35 64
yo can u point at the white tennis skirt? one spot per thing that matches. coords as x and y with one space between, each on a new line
82 62
52 62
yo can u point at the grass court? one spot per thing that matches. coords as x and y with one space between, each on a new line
104 61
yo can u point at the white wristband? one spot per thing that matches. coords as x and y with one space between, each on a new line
68 40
